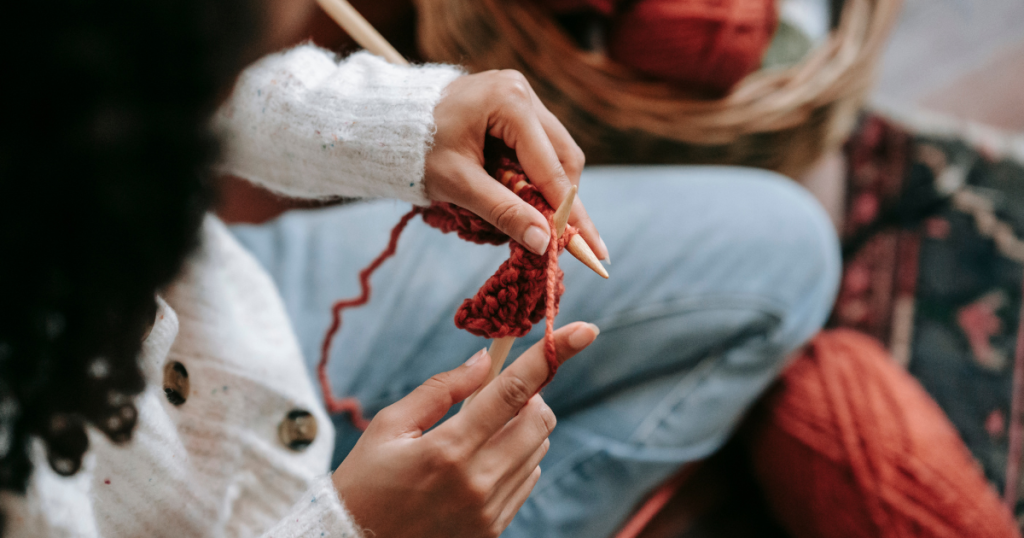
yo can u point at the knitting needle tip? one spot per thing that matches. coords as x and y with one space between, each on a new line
561 217
577 246
582 252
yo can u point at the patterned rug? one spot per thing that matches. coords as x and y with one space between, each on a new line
933 268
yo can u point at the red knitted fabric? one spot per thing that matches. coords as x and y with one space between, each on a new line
850 446
704 45
525 288
511 301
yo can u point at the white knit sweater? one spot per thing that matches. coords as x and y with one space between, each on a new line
301 125
304 125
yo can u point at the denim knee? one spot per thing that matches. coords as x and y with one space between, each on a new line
793 246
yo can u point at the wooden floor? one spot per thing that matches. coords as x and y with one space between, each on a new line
959 57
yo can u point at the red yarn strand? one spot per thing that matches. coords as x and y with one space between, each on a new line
844 397
551 302
351 405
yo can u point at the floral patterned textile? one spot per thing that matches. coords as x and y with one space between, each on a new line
933 268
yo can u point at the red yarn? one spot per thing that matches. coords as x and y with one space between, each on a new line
351 405
851 446
704 45
511 301
525 288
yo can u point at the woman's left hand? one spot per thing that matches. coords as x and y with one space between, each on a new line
503 105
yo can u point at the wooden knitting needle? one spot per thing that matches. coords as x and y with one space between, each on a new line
501 346
577 246
361 30
370 39
561 216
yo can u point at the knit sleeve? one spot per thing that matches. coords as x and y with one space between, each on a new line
318 513
304 125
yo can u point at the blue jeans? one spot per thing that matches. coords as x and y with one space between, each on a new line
719 273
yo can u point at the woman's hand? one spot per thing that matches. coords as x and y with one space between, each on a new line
502 104
469 476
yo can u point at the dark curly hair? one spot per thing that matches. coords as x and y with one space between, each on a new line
105 175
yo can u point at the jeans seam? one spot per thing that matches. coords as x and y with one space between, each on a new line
766 306
679 394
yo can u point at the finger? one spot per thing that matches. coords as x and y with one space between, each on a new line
429 402
504 397
572 160
496 204
518 124
579 218
515 122
509 450
515 476
569 153
517 501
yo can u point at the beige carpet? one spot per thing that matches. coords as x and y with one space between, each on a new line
964 58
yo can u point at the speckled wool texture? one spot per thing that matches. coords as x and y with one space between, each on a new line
317 514
214 466
304 125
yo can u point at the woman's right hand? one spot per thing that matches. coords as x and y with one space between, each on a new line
469 476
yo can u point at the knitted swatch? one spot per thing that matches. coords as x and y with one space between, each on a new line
525 288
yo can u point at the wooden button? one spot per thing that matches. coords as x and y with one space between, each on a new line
64 466
176 382
298 429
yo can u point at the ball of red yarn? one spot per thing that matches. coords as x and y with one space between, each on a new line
705 45
849 445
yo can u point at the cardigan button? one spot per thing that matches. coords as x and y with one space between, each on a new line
176 383
298 429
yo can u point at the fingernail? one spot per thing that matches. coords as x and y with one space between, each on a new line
476 357
536 240
583 336
604 247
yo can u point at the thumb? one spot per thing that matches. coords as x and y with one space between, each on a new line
426 405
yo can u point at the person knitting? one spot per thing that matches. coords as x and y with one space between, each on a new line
151 381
